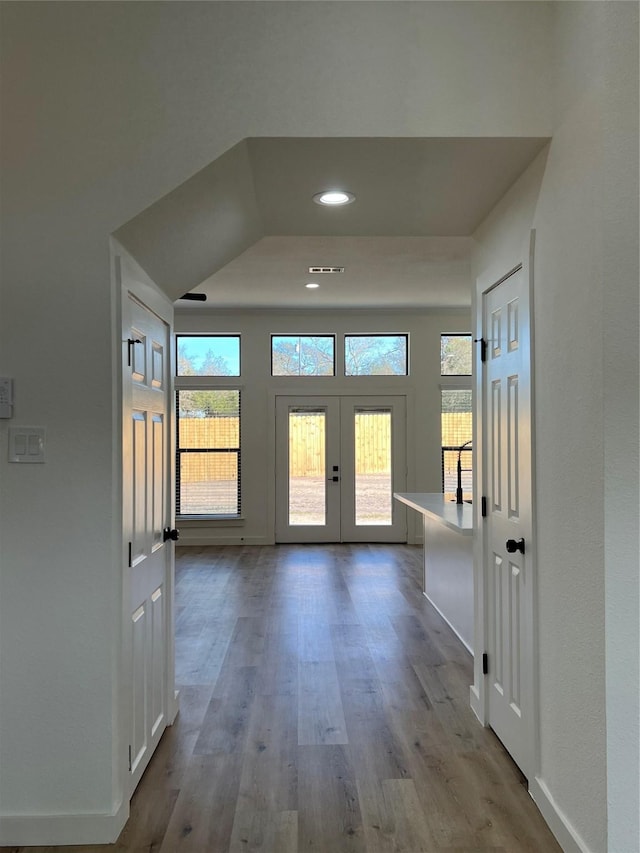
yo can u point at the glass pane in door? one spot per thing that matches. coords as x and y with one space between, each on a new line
373 475
307 467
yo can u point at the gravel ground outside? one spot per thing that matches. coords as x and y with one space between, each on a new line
373 500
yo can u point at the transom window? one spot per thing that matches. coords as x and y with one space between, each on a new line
456 355
303 355
208 355
376 355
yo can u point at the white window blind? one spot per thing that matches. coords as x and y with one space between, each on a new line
208 456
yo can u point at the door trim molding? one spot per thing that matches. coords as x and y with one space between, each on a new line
479 694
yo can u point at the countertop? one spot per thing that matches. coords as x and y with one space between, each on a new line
458 517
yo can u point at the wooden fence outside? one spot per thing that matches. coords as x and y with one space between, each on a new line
457 427
372 444
222 432
306 444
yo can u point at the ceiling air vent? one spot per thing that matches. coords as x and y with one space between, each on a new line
321 270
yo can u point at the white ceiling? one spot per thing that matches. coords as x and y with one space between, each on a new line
379 272
244 230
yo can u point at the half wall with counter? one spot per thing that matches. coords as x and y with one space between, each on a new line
448 558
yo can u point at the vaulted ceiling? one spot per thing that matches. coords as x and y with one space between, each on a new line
244 230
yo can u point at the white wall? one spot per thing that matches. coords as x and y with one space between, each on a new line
422 388
620 334
586 398
107 107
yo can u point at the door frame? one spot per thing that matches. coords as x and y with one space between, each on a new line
130 278
368 398
479 690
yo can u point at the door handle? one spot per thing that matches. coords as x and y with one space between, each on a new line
333 479
513 545
170 533
131 342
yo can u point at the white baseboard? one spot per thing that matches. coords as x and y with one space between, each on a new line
174 707
453 628
476 704
62 829
196 538
556 820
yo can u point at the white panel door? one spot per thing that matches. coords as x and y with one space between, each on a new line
338 462
508 564
148 573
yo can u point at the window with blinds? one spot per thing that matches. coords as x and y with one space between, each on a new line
208 453
457 431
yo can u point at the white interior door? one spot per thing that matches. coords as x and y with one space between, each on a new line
508 551
148 568
338 462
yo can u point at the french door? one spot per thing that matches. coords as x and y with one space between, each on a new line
338 461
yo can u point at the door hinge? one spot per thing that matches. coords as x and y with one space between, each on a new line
485 664
129 758
483 505
130 553
483 348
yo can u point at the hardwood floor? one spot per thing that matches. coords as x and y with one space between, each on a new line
324 707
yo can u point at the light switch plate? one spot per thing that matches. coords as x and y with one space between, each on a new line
26 444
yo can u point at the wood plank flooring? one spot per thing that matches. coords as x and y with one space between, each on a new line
324 707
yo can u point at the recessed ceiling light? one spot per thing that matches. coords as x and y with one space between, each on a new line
334 198
312 285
